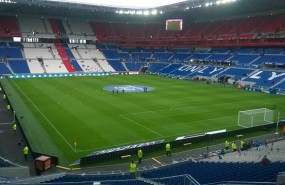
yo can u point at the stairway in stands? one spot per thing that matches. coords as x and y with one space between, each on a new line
64 57
57 27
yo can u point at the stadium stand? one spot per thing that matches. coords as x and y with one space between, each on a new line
154 68
102 29
136 45
170 68
111 53
280 85
64 57
117 65
13 53
41 50
78 27
9 27
19 66
133 66
231 166
4 69
237 73
35 66
57 26
275 59
244 59
32 25
54 66
265 78
181 57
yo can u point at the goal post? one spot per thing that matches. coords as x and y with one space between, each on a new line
255 117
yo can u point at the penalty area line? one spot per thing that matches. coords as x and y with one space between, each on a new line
141 125
44 116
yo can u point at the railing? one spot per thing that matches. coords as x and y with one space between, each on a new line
243 182
185 179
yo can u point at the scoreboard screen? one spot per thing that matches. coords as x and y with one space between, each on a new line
174 24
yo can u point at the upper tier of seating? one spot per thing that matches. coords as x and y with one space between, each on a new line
9 26
249 27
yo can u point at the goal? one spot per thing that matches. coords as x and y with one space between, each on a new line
255 117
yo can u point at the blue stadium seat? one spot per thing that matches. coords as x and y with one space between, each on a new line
19 66
117 65
4 69
210 172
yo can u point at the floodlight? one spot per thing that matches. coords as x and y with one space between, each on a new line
154 12
139 12
131 4
146 12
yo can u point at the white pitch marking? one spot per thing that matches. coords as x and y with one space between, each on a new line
177 108
44 116
141 125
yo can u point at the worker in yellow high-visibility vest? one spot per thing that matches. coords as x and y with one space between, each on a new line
241 145
167 147
234 146
133 168
26 151
227 144
14 127
140 155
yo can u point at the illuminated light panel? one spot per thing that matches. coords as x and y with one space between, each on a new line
145 4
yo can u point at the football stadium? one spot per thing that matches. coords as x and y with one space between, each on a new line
172 92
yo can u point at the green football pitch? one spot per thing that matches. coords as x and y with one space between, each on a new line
55 112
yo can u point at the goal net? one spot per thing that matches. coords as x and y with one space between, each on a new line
255 117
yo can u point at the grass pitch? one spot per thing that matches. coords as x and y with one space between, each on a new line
55 112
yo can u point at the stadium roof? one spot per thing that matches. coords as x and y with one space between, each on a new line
145 4
189 10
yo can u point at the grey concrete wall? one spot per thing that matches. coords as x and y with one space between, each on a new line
18 172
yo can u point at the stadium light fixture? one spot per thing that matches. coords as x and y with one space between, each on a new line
7 1
145 4
153 12
146 12
139 12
